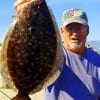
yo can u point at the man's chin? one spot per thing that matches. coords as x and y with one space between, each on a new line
75 46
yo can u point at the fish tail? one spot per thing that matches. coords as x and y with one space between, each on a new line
21 97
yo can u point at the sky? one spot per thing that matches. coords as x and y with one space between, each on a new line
91 7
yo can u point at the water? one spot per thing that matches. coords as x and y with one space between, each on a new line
94 44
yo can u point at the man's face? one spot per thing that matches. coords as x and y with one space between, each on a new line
74 35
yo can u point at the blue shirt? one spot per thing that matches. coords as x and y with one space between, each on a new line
79 78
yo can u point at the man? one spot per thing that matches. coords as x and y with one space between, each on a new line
80 74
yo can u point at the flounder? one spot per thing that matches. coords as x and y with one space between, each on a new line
32 51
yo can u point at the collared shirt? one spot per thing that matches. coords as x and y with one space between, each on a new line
79 78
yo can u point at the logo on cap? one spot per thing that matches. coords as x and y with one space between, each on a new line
71 12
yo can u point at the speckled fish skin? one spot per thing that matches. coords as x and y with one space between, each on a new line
31 48
32 52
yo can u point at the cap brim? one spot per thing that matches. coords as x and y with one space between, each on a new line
80 21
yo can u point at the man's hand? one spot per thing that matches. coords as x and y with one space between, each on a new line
20 4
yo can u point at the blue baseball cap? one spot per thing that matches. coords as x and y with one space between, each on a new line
74 15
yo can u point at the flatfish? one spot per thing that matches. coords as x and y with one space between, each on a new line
32 53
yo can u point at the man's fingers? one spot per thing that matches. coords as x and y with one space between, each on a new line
37 1
19 3
19 8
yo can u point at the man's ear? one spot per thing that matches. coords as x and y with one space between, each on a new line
61 30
